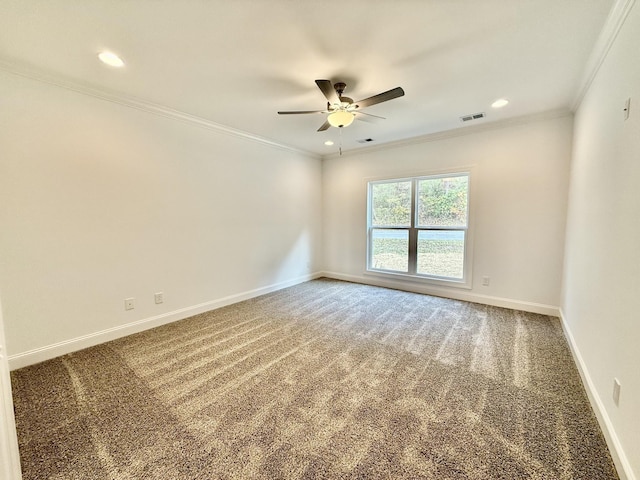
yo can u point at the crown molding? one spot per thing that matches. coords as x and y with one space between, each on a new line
459 132
607 37
57 80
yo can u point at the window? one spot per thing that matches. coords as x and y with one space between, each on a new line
419 227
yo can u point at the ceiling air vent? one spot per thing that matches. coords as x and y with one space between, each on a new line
473 116
365 140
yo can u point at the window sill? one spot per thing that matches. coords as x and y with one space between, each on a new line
402 277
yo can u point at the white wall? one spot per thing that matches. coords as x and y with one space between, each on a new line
601 300
518 202
100 202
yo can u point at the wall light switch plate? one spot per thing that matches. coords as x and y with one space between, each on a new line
159 297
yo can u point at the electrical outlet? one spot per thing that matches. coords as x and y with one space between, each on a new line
616 391
486 281
129 303
159 297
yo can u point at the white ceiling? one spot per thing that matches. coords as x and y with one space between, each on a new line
237 62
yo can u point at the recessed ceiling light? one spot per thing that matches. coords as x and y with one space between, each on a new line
501 102
111 59
328 143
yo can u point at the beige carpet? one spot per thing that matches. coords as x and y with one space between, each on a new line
326 379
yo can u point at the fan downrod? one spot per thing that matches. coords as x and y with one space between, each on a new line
340 87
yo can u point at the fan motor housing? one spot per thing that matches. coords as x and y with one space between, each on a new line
340 87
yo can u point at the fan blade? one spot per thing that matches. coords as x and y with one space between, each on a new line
327 89
369 115
381 97
368 118
324 126
302 111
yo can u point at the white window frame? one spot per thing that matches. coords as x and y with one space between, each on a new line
413 229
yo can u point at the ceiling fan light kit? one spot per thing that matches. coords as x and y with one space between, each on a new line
340 118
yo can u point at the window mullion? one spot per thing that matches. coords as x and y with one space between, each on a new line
413 231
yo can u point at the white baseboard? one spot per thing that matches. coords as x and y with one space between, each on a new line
617 453
456 294
48 352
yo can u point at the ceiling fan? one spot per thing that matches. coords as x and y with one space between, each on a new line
342 110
